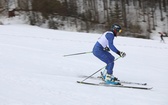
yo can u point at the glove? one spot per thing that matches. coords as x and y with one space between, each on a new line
106 49
121 54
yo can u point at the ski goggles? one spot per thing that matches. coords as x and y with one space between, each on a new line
120 31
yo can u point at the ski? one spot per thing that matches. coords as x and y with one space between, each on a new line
136 83
121 81
110 85
125 82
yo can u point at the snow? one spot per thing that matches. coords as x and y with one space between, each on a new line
33 70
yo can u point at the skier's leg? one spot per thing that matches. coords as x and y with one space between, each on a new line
107 58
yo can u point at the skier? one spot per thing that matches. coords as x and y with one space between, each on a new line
161 37
101 48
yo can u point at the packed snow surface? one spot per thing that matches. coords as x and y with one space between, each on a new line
33 70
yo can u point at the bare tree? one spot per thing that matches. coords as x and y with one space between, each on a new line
161 11
140 3
164 5
3 7
95 9
153 8
105 5
124 13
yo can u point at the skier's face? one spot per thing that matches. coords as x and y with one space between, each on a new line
118 33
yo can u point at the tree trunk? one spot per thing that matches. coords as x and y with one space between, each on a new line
96 17
144 10
160 7
124 13
140 5
164 5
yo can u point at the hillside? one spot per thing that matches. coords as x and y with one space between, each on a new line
33 70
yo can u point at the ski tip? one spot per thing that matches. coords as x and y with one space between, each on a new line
150 88
147 88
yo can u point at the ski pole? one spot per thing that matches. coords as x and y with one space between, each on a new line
93 74
97 71
78 53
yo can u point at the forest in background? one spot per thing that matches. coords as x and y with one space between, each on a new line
137 17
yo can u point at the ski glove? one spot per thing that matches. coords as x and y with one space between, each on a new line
106 49
121 54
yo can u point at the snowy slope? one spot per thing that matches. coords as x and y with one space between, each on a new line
33 70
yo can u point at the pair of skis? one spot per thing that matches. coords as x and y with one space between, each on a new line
124 84
110 85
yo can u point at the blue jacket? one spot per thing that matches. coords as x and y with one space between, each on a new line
106 40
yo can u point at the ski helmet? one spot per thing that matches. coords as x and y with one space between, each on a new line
116 28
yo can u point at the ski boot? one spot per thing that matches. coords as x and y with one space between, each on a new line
104 75
110 79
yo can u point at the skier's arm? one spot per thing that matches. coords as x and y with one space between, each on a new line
110 39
